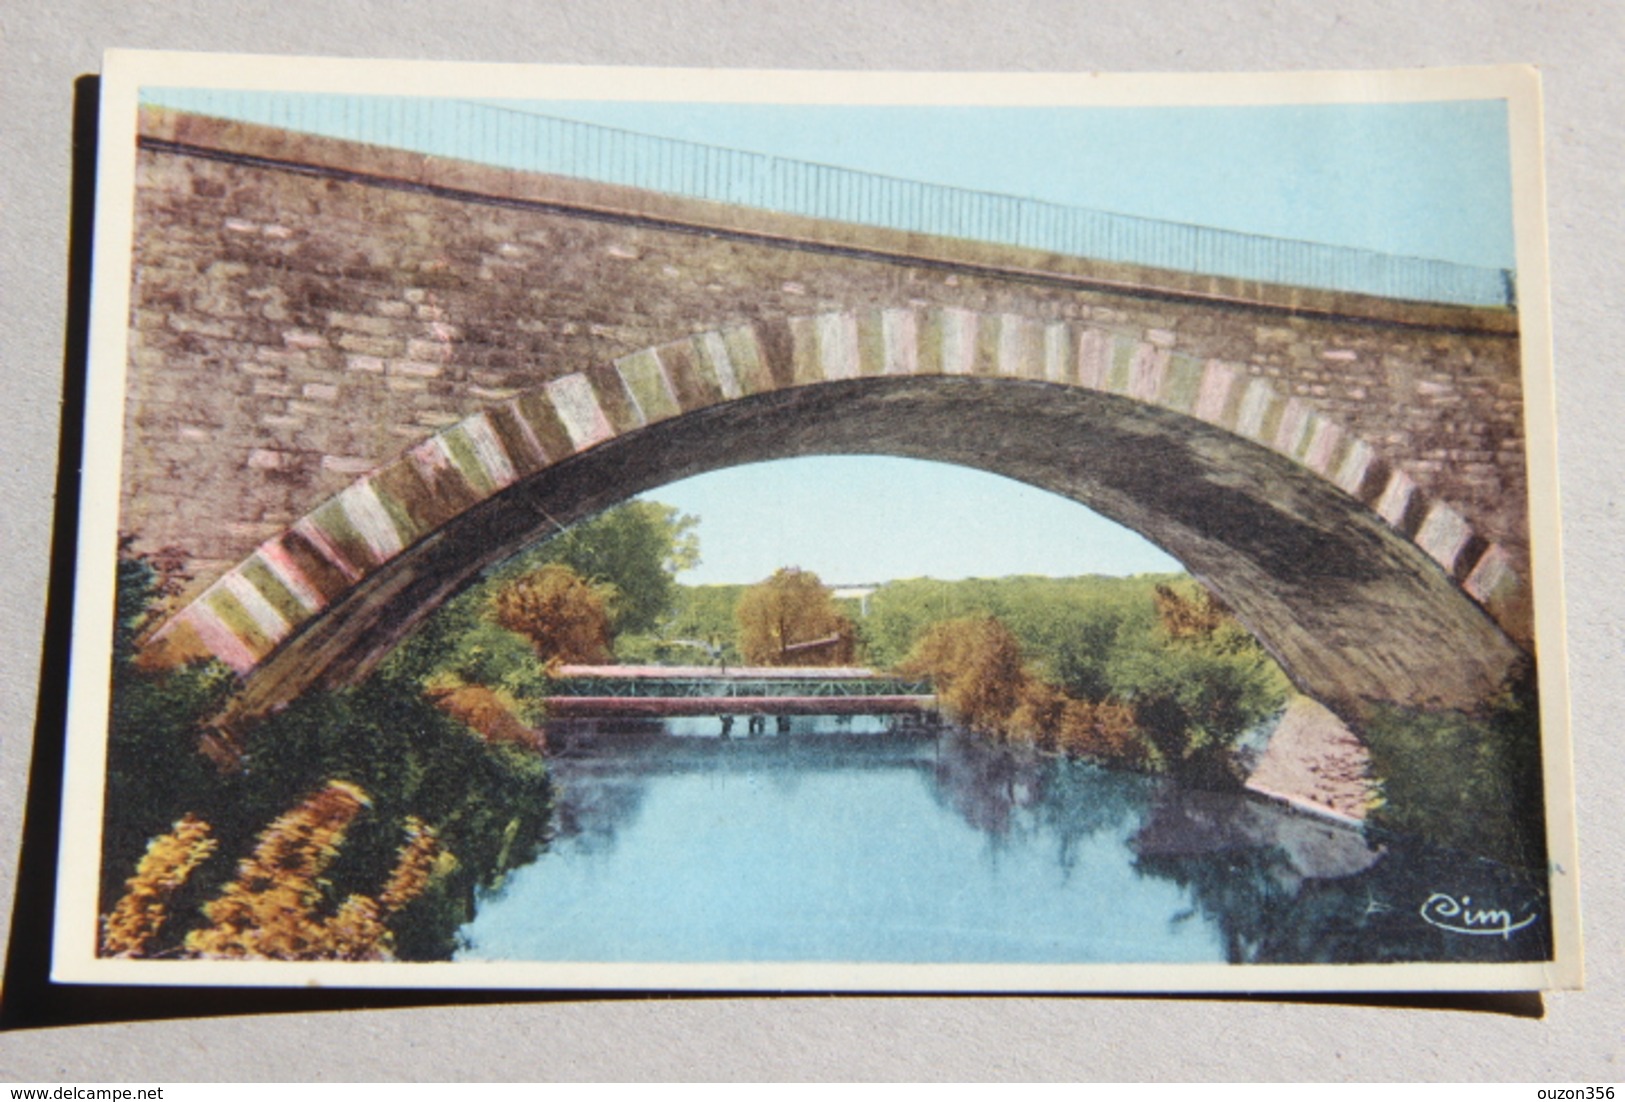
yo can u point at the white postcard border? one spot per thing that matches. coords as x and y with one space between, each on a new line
125 72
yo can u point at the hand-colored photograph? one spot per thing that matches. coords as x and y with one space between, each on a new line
572 528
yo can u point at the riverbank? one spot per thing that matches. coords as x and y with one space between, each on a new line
1314 763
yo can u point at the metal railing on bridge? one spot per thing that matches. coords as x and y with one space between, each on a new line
509 137
700 682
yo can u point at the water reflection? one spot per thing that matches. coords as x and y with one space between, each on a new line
1287 889
860 840
999 789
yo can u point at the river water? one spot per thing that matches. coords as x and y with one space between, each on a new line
848 840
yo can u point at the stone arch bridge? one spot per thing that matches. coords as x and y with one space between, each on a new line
359 376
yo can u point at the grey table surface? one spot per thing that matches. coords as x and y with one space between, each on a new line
1575 1036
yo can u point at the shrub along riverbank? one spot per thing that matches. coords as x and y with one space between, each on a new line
1151 673
1146 672
1170 684
354 824
359 823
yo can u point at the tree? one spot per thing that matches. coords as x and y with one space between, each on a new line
1197 681
1200 617
637 548
976 664
565 618
702 626
791 620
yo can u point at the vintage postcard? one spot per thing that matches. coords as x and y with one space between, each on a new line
561 527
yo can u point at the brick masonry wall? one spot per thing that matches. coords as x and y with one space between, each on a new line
290 331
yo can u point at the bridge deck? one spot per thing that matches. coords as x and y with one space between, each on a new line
580 707
713 673
705 690
693 681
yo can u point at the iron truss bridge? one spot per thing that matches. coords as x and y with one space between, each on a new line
704 690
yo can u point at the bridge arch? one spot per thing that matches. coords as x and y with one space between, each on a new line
1334 558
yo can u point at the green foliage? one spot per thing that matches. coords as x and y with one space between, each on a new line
705 615
1194 704
153 763
463 643
491 655
637 547
1148 671
1197 682
1468 781
489 804
1067 627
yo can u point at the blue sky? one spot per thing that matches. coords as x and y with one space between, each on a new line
852 519
1411 179
1426 180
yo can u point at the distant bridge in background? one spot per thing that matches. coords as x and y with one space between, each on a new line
650 691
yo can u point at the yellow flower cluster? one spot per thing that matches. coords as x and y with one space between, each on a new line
270 910
169 860
267 911
413 868
357 931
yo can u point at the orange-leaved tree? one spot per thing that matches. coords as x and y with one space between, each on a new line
565 618
791 620
980 677
1197 616
976 664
